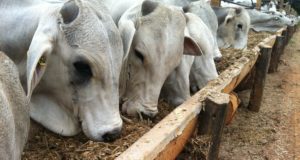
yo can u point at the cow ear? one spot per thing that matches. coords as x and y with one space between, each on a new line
127 31
69 11
238 11
228 19
37 55
191 47
148 7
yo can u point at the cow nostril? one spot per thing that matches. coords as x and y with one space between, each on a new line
111 136
218 59
147 116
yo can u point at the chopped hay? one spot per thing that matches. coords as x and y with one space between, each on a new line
47 145
230 55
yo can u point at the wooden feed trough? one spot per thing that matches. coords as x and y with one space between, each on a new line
167 139
205 112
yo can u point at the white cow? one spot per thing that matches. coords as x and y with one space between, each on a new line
234 24
261 21
14 111
202 9
192 72
69 56
154 43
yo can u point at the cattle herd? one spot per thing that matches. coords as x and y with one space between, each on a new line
74 63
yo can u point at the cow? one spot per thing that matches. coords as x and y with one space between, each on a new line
202 9
193 72
261 21
154 43
69 57
14 111
234 24
176 88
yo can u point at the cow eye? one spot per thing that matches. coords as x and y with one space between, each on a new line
83 72
139 55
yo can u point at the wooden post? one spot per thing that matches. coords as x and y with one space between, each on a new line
294 29
285 34
215 3
262 65
276 52
258 4
290 32
212 120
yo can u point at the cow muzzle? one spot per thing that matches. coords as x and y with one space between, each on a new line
137 109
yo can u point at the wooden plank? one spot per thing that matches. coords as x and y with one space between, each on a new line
247 82
175 146
171 127
261 66
233 105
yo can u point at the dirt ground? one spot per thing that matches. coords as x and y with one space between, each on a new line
274 132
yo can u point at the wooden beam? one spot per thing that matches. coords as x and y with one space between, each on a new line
215 3
290 30
285 34
176 146
247 82
170 129
207 118
233 105
219 108
258 4
261 66
276 52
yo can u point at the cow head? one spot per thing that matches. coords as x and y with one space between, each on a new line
154 42
73 67
192 72
233 28
268 21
